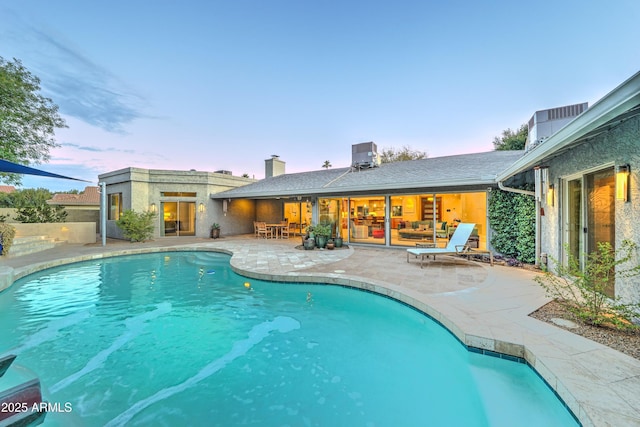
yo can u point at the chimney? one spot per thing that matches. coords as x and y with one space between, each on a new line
273 166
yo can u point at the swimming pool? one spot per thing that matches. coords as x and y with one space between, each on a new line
179 339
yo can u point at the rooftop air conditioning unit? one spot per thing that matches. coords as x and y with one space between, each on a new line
545 123
364 155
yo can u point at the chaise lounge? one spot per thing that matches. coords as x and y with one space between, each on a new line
457 245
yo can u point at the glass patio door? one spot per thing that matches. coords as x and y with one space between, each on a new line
591 214
179 218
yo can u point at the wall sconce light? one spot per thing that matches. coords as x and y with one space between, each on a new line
622 183
201 207
153 208
550 195
225 206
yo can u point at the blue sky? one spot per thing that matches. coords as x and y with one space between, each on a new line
212 85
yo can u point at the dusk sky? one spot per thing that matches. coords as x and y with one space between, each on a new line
212 85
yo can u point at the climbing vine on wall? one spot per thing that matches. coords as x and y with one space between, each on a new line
512 218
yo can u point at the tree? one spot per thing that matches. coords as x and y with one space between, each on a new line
327 164
27 119
390 154
512 140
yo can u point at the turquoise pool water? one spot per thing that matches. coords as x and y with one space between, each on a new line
179 339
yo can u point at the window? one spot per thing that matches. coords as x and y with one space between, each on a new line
177 194
115 206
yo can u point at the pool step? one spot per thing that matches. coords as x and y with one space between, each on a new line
31 244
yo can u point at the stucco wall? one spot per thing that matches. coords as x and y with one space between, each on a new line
70 232
141 188
271 211
620 145
239 219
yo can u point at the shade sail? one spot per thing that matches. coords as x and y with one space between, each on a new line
9 167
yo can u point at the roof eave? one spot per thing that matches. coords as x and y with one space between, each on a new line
484 181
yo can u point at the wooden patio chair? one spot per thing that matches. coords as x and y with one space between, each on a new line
264 231
284 230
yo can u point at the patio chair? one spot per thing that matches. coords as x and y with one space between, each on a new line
284 230
456 245
264 231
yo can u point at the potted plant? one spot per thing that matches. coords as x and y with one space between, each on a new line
309 244
338 239
330 244
215 230
323 232
7 233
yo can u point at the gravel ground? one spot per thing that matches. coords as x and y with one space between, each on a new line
625 342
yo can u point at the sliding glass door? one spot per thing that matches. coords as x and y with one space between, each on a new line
590 203
179 218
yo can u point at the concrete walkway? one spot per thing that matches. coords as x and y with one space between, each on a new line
485 307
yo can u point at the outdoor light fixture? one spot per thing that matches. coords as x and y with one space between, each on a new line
541 179
201 207
622 183
225 206
153 208
550 195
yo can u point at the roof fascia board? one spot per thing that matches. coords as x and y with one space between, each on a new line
452 185
616 102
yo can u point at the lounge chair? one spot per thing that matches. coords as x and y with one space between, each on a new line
457 244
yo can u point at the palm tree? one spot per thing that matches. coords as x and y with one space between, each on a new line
327 164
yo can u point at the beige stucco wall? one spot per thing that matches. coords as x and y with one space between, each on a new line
620 145
141 188
70 232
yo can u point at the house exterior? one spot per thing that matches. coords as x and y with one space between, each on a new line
7 189
393 204
584 167
181 199
587 186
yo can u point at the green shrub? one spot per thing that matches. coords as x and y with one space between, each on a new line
583 290
135 226
42 213
7 233
323 230
512 218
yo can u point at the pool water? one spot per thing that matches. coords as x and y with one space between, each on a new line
179 339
